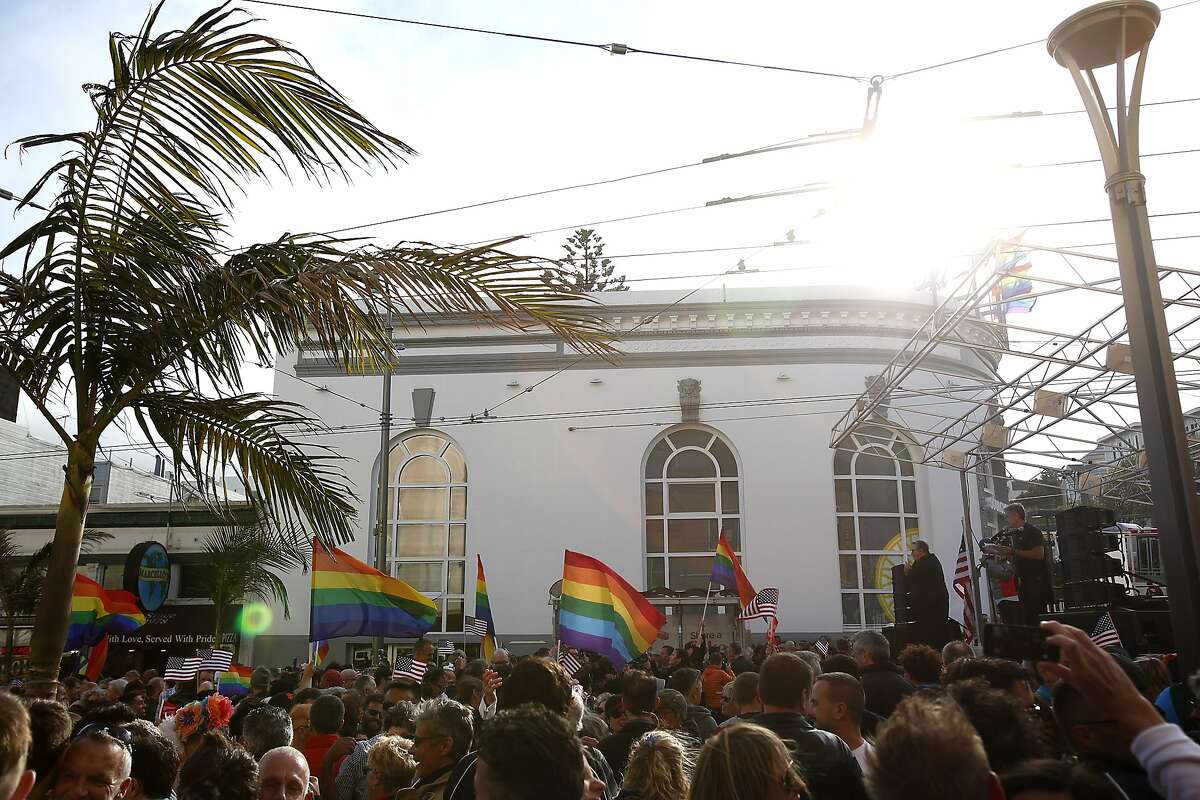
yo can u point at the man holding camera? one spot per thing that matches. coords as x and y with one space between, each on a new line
1028 552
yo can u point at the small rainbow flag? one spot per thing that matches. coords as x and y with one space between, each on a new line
727 572
601 612
483 611
350 598
96 611
235 680
322 652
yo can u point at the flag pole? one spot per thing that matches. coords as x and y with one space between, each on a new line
704 613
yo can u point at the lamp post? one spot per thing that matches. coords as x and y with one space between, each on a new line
1103 35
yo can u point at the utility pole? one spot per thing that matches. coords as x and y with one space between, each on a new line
385 438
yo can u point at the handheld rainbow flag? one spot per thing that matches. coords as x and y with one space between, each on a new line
322 652
350 598
96 611
483 612
727 572
235 680
96 660
601 612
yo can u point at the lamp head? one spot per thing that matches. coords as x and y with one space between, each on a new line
1091 36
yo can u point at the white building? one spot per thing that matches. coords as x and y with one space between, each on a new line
623 462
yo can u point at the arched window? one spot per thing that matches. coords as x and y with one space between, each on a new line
876 498
427 536
693 492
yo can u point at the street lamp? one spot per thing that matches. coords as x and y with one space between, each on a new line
1102 35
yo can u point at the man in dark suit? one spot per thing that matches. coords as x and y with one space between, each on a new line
928 598
929 601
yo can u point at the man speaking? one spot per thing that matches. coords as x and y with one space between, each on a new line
929 601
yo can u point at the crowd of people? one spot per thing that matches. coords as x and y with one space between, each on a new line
696 723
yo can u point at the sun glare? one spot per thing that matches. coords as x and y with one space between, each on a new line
912 199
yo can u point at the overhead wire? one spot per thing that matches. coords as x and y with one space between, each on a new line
612 48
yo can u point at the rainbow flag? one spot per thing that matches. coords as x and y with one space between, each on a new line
601 612
96 611
350 598
727 572
96 660
1012 264
322 652
483 611
235 680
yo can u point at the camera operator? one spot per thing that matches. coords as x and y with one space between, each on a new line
1028 550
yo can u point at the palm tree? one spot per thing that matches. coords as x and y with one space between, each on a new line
21 585
246 560
131 307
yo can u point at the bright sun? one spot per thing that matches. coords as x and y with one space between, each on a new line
911 199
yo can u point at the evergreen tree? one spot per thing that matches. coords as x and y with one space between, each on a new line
584 268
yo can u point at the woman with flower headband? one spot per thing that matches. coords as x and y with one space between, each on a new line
189 724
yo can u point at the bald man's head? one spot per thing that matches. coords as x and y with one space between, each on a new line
283 775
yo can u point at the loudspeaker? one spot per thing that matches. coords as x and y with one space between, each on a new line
1090 567
1083 518
1086 594
900 594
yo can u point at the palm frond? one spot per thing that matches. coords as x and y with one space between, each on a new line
245 560
252 437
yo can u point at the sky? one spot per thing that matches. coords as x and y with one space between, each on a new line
492 116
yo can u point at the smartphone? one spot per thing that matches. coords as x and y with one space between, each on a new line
1018 643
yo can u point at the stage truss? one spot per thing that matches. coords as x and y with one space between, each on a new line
1063 395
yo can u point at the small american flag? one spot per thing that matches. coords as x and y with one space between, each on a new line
408 669
16 683
822 647
962 588
445 647
569 662
181 669
216 660
1105 633
765 605
476 627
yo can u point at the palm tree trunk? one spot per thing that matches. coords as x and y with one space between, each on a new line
54 609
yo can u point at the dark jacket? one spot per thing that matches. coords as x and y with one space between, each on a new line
927 595
700 723
885 687
617 746
829 768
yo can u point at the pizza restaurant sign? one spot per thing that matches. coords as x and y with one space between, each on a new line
180 624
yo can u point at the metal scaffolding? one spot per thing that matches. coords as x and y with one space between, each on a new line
1064 395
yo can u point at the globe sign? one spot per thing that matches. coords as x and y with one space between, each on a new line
148 575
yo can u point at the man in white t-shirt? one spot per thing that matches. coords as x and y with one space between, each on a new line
836 705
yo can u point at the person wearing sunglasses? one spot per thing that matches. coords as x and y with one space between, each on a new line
96 766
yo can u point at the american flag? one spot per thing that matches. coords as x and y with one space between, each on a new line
962 588
409 669
216 660
822 647
1105 633
569 662
476 627
181 669
16 683
445 647
765 605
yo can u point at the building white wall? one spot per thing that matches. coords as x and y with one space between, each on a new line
537 487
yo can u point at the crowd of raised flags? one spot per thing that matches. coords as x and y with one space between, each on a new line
599 612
